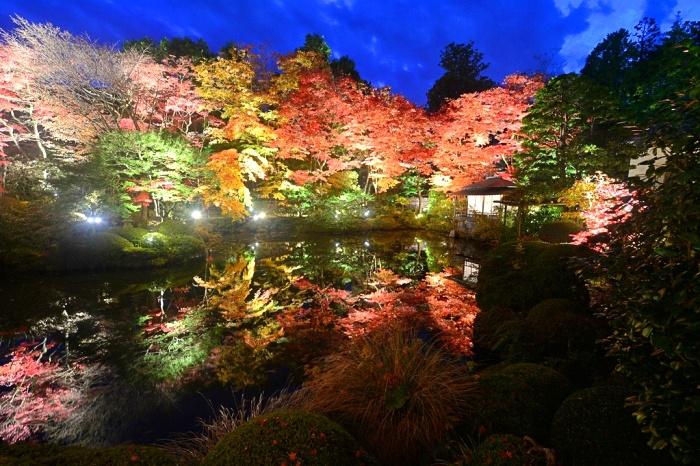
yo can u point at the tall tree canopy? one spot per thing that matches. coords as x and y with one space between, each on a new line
464 66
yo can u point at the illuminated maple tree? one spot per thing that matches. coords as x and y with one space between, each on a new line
479 129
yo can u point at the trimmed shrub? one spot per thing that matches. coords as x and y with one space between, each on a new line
507 450
399 395
517 399
495 332
154 240
133 234
52 455
592 427
519 275
558 232
288 437
175 228
555 335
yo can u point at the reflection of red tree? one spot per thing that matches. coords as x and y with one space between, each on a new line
437 304
35 391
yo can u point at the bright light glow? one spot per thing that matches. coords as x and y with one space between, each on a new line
94 220
367 213
196 214
259 216
366 243
337 245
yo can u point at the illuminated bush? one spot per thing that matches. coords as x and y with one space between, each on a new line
517 399
133 234
593 427
399 395
288 437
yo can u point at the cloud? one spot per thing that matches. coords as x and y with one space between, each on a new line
688 9
602 18
349 4
565 6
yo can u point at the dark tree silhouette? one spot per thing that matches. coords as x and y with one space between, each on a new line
463 65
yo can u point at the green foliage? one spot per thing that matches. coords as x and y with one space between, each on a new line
176 47
288 437
507 450
519 275
53 455
463 65
123 248
133 234
164 168
592 427
611 60
317 43
652 279
186 345
537 216
517 399
575 128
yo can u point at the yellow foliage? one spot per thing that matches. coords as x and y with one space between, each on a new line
227 84
291 67
228 192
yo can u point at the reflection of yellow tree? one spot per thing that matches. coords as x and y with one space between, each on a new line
230 286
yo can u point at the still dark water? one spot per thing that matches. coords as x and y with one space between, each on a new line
106 358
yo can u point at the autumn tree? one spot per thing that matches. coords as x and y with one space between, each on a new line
463 65
96 89
229 88
479 130
134 170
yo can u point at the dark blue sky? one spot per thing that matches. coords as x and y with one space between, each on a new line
394 42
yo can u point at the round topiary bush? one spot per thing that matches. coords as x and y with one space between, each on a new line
554 334
173 228
592 427
133 234
517 399
495 332
558 232
519 275
183 247
154 240
507 450
288 437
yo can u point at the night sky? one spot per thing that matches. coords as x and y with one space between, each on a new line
395 43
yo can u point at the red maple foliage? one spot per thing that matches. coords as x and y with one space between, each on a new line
478 129
33 391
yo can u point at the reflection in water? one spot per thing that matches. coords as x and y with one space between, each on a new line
133 356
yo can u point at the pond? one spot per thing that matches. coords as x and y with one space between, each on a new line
106 358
